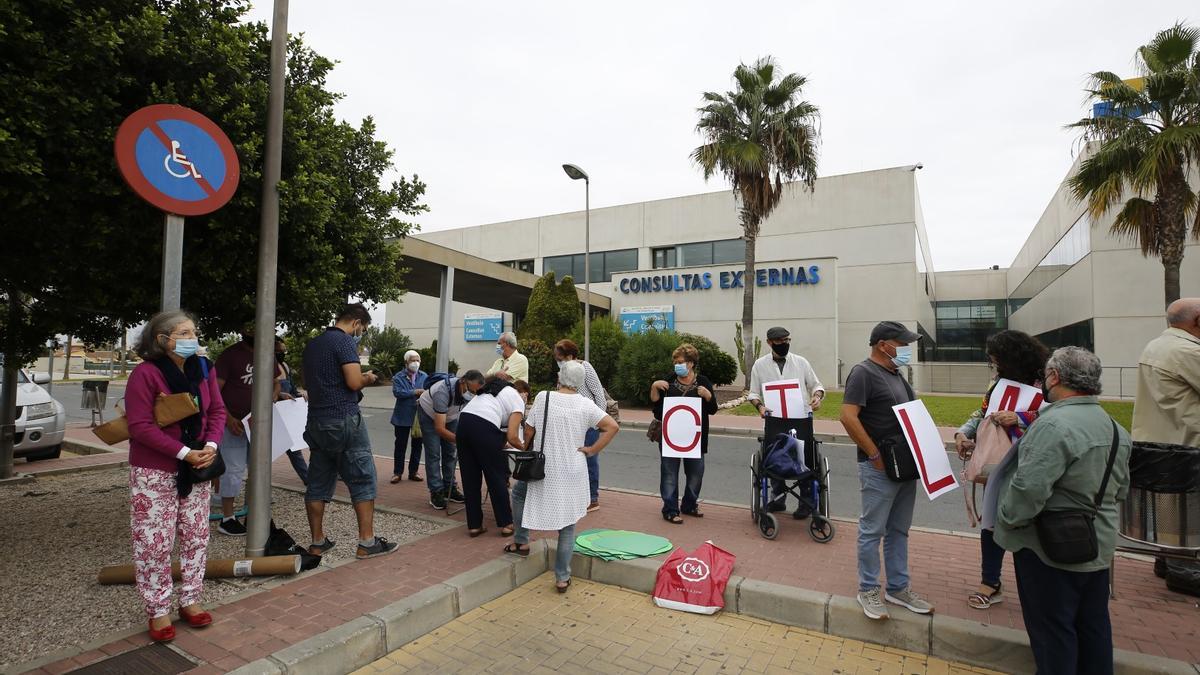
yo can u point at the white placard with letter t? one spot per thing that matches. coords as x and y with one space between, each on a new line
783 399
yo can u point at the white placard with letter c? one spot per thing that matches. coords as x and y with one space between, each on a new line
681 427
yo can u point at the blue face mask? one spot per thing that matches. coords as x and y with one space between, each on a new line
681 369
186 348
499 350
903 356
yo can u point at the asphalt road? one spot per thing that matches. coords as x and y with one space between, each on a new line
630 462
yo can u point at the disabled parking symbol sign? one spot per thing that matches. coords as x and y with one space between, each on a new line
177 159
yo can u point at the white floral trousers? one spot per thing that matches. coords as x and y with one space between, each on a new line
157 517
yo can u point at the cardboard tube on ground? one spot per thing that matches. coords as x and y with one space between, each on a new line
215 569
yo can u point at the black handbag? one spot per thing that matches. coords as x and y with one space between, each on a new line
188 475
531 465
898 461
1068 537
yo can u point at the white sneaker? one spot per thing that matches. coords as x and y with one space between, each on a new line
872 604
909 600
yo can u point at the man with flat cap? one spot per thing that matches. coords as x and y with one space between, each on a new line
872 388
783 364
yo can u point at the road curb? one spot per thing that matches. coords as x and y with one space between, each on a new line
370 637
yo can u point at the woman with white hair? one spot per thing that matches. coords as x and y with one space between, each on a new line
407 387
556 425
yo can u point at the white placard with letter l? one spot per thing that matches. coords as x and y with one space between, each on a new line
287 426
783 399
927 448
1014 396
681 427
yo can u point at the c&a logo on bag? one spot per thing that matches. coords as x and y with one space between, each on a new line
693 569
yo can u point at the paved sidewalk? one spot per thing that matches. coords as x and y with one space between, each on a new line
596 628
1146 617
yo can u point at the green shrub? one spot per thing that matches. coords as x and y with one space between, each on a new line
608 340
387 347
429 359
214 346
541 361
714 364
552 310
645 358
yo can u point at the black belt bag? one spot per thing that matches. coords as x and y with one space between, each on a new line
898 461
1069 537
531 466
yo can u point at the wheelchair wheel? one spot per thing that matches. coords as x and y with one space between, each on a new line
767 526
755 489
820 529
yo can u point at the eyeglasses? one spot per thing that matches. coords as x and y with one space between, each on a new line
186 335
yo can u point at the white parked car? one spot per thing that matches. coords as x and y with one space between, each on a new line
41 420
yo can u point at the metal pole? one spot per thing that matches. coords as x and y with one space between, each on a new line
8 391
258 491
50 369
445 307
587 269
172 267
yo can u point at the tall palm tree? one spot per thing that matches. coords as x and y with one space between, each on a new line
1148 143
758 136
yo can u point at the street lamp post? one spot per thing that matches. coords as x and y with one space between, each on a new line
576 173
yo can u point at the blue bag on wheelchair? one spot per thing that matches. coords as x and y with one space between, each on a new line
785 457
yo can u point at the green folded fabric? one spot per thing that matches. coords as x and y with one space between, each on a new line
620 544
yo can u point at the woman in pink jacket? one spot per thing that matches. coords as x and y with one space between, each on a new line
164 504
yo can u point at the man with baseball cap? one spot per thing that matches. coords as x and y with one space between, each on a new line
872 388
783 364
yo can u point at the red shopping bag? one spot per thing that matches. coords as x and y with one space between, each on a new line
694 582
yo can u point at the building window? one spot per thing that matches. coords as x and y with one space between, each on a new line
604 264
663 257
963 327
1079 334
523 265
700 253
1070 249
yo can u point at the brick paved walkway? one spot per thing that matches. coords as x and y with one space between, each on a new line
1146 617
596 628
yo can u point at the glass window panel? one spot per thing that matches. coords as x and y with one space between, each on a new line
728 251
624 260
1070 249
664 257
691 255
561 265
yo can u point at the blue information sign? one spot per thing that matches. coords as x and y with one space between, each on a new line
640 319
483 327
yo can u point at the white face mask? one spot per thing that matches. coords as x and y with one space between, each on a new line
414 366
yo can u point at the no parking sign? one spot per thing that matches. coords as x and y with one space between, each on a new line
177 159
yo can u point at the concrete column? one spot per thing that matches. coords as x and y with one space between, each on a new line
445 314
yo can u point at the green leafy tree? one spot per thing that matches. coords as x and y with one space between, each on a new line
715 364
429 359
645 358
758 136
552 309
387 347
541 361
1148 143
607 342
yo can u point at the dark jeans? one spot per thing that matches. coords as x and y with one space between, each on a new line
593 464
481 458
339 447
772 427
992 557
668 484
1066 616
296 457
403 434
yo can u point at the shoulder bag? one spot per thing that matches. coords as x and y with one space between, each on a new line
654 431
531 465
1068 537
898 461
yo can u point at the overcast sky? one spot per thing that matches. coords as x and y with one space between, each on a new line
485 100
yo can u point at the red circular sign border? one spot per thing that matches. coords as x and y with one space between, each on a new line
124 149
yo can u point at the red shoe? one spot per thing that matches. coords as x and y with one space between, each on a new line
197 620
162 634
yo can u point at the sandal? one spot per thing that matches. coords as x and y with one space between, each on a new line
563 588
673 518
980 600
516 548
694 514
416 477
476 533
396 479
506 531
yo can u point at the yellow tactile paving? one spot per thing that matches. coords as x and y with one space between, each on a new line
596 628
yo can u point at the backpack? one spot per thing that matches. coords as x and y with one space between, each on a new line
434 378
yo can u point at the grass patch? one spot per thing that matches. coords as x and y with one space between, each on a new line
947 411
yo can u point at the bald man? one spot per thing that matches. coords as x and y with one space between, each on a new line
1167 407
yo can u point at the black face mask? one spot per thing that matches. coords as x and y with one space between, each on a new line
248 339
781 349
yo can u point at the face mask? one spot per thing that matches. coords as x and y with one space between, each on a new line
467 396
1046 390
681 369
186 348
903 356
500 350
357 339
781 349
414 366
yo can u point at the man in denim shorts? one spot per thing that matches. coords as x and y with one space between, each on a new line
337 434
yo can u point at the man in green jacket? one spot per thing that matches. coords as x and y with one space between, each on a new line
1061 465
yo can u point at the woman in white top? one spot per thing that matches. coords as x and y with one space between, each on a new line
497 408
556 425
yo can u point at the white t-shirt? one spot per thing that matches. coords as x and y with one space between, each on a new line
496 409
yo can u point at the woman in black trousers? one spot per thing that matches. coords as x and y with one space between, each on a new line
488 422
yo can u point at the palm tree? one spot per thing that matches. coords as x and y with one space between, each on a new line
759 136
1148 141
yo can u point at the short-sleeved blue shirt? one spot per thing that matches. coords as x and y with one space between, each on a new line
328 395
